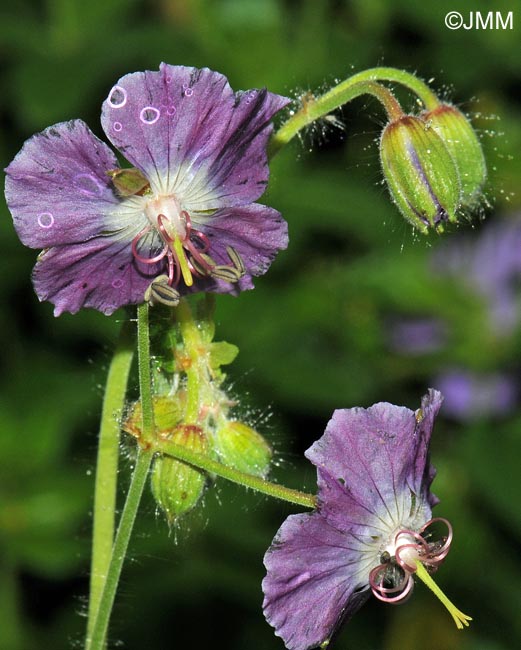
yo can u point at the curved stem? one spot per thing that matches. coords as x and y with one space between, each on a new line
407 79
365 82
137 484
318 107
107 469
257 483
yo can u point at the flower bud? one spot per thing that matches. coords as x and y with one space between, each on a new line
168 413
422 177
464 146
176 486
241 447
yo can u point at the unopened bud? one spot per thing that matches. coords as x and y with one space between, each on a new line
464 146
176 486
168 413
422 177
241 447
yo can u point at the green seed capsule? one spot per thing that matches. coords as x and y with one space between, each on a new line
422 176
241 447
463 144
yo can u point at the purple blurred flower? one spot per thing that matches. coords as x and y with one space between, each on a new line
189 223
418 336
374 508
469 395
489 265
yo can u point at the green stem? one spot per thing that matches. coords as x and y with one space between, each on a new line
135 491
318 107
107 469
145 378
362 83
203 462
192 343
410 81
126 524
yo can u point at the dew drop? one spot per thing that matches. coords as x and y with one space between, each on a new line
45 220
117 126
171 110
149 115
117 283
189 92
88 184
117 97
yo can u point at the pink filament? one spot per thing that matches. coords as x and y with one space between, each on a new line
429 554
384 593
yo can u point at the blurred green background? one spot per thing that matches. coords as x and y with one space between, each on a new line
324 329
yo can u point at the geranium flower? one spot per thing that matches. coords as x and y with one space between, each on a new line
371 530
183 219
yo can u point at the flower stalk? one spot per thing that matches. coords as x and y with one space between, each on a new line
97 639
365 82
107 469
319 107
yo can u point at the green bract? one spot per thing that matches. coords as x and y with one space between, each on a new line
421 174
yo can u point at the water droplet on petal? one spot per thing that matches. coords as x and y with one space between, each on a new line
149 115
88 184
171 110
117 283
189 92
45 220
117 126
117 97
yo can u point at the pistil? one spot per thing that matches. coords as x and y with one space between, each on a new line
461 619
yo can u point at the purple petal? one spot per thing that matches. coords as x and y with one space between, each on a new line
100 273
315 579
57 187
376 457
191 135
255 231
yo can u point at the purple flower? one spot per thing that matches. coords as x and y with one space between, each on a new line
182 220
370 532
470 395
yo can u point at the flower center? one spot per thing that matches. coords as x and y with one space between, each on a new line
185 251
411 553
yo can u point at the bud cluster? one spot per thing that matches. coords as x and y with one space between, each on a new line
434 166
193 410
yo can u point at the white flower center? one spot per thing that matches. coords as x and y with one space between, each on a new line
173 222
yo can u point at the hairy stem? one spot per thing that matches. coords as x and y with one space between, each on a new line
362 83
107 469
257 483
137 484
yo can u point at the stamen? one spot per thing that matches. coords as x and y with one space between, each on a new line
140 258
161 291
384 572
236 259
461 620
